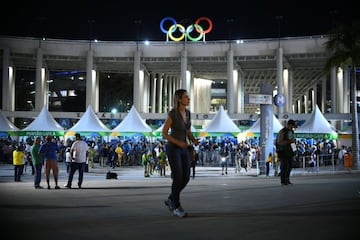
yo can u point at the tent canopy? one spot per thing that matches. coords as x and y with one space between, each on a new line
132 124
43 124
220 125
7 127
316 126
254 130
89 125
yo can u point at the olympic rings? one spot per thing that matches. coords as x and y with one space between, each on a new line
186 32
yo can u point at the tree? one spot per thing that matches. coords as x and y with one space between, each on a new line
344 49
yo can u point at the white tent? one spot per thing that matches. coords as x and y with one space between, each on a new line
316 126
220 125
89 125
6 127
43 124
132 124
255 128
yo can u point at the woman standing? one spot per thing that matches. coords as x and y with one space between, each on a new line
268 162
177 149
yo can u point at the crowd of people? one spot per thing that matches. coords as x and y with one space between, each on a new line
179 151
243 155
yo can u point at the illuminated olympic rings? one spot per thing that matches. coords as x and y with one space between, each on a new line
185 32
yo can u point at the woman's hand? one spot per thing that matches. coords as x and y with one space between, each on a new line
182 144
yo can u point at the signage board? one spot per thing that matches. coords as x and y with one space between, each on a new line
260 99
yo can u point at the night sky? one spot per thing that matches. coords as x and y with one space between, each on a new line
130 21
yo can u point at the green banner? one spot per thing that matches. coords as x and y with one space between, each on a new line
40 133
317 135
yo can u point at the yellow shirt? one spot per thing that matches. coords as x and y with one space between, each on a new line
118 150
18 157
269 159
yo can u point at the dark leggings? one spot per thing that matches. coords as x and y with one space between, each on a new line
179 160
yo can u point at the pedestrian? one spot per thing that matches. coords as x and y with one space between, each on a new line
224 156
268 162
177 148
38 162
28 162
162 161
276 164
18 162
341 155
248 160
119 152
238 157
286 149
67 160
78 153
104 154
112 157
91 155
192 160
145 162
49 151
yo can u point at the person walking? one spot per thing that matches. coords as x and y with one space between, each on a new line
276 164
163 161
145 162
268 162
67 160
29 143
49 151
192 160
177 149
78 153
38 162
18 162
119 152
224 156
238 157
286 149
104 154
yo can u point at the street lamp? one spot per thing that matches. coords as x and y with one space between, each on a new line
229 22
279 18
91 21
137 22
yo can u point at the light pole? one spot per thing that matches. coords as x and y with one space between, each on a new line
41 29
91 21
137 22
229 22
279 18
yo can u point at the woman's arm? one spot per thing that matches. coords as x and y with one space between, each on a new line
166 135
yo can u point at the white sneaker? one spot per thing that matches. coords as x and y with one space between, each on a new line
179 212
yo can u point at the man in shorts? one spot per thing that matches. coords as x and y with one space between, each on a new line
49 151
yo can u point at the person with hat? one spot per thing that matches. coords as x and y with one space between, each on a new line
286 150
49 150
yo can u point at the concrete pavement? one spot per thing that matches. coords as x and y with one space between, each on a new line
236 206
